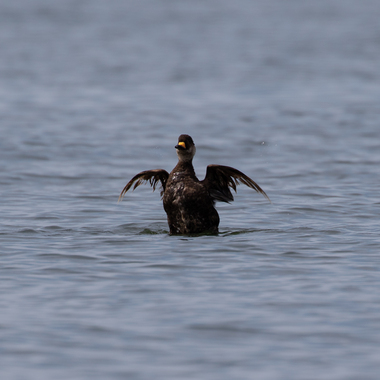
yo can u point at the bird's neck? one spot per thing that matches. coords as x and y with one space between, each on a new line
185 166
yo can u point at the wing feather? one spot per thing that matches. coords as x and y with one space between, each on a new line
220 179
153 176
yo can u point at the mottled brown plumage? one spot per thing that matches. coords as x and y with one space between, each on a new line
153 176
188 202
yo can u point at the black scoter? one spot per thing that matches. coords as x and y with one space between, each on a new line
189 202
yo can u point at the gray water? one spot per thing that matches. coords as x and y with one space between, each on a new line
92 92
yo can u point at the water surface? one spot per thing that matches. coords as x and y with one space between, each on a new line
94 92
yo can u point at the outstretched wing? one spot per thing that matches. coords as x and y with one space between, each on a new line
219 179
153 176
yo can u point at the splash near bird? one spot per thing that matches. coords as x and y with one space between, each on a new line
188 202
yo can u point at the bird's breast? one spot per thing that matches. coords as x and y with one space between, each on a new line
182 189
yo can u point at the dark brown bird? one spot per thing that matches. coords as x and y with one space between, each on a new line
188 202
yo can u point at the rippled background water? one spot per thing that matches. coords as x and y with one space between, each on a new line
93 92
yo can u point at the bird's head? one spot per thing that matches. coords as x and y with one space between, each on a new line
185 148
